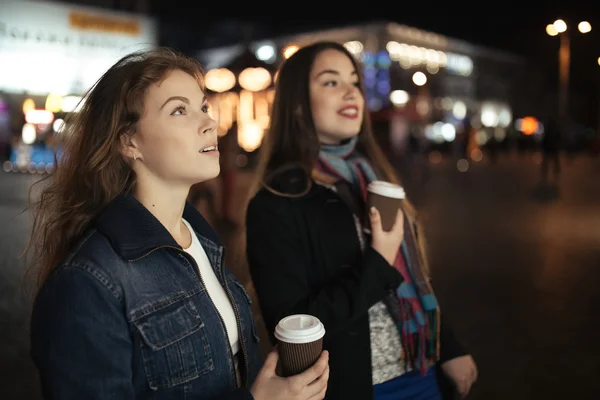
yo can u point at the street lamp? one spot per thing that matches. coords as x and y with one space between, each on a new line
559 28
584 27
598 129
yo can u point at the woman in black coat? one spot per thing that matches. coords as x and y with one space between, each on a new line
309 253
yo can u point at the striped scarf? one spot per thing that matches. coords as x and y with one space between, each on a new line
413 306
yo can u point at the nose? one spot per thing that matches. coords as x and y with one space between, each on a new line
352 92
208 125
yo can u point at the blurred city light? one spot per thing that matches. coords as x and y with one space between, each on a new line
39 117
504 117
399 97
527 125
462 165
499 133
433 69
355 47
447 103
551 30
409 56
419 78
266 53
53 102
59 125
289 50
560 26
28 133
219 80
489 117
423 107
435 157
255 79
28 105
71 103
459 110
448 132
476 155
584 27
250 136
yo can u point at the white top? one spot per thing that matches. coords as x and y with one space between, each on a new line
215 290
387 353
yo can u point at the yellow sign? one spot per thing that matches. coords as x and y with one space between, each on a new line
89 22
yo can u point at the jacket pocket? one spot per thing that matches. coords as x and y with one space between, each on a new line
175 347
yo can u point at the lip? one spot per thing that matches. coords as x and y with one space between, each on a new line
349 107
210 153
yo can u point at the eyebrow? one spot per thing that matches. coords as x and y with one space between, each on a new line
180 98
331 71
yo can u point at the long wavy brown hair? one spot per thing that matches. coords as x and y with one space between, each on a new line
92 170
292 139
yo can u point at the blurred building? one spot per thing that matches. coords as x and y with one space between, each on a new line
131 6
51 53
441 89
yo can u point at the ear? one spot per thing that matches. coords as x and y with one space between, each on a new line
128 146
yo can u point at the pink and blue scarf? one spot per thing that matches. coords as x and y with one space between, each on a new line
413 306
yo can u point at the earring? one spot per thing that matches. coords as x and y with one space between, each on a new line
135 157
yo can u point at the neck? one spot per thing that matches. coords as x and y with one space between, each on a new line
166 202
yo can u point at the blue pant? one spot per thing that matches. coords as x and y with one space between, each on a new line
410 386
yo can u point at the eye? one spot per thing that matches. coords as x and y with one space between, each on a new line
330 83
357 84
205 108
180 110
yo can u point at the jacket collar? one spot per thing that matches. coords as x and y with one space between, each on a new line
293 183
134 231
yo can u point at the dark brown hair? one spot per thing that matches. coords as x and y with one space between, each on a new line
292 137
92 171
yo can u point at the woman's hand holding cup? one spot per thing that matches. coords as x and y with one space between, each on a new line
386 243
386 218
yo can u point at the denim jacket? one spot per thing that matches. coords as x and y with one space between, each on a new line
127 316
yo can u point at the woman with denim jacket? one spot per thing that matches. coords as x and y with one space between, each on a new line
309 252
134 300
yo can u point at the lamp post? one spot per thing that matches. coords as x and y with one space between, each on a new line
559 28
598 128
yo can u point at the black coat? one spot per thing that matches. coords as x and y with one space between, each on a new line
305 258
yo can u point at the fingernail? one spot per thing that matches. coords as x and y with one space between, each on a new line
372 211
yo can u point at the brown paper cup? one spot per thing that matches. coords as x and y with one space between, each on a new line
300 340
386 198
297 358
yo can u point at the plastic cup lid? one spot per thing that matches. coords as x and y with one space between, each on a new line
299 328
386 189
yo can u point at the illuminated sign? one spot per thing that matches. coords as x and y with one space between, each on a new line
85 21
48 47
